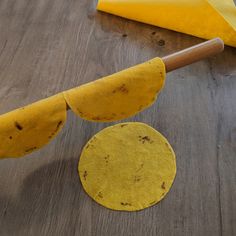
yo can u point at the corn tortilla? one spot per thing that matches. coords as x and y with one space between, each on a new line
119 95
128 167
29 128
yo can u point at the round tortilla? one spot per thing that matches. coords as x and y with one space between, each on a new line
128 166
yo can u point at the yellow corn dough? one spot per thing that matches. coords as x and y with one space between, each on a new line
202 18
128 166
119 95
27 129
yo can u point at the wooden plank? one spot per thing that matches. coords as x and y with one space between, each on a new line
225 97
49 46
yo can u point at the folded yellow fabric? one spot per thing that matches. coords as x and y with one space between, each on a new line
202 18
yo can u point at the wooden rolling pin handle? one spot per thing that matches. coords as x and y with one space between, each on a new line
193 54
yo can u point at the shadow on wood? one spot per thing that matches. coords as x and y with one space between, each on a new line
46 196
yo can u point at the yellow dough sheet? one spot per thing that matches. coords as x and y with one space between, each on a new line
128 167
202 18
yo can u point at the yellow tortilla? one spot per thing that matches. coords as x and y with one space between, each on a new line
127 167
119 95
27 129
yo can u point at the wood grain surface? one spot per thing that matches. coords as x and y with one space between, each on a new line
47 46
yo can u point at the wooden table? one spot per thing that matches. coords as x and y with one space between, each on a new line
49 46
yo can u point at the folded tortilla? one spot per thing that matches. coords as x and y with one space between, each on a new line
119 95
29 128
